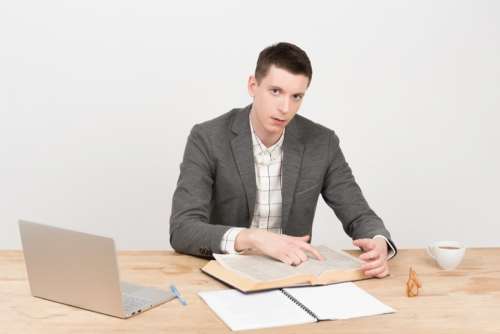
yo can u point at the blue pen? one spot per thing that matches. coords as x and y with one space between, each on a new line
178 294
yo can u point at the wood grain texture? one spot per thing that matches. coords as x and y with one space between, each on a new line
466 300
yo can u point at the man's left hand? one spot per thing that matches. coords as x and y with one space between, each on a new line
374 255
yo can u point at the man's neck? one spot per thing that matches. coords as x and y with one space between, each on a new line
267 139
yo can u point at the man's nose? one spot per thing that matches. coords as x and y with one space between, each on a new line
285 105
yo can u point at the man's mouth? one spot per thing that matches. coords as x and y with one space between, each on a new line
278 120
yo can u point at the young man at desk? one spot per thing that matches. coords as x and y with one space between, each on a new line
251 178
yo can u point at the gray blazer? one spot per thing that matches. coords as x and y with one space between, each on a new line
216 189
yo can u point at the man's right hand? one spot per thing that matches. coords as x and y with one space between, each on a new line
287 249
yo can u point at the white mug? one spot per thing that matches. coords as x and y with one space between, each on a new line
448 254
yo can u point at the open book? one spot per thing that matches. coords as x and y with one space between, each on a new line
292 306
256 272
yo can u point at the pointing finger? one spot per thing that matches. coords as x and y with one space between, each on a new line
312 250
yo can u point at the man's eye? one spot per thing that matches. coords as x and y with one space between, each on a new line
275 91
297 97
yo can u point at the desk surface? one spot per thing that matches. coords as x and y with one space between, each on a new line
466 300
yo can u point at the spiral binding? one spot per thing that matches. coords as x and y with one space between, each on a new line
299 304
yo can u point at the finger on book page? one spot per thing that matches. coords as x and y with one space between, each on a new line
311 250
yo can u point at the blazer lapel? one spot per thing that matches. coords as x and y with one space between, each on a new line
293 150
243 155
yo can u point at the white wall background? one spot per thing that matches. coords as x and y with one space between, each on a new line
97 99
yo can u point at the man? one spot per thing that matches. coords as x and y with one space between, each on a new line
250 179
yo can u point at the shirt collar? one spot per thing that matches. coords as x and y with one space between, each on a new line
256 140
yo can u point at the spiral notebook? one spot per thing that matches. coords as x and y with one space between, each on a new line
292 306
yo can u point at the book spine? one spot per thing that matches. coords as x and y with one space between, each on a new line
299 304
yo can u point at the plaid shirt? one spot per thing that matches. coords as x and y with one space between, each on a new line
268 205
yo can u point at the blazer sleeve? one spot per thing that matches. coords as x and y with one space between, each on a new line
190 230
341 192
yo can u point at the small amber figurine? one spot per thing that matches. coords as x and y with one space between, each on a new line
413 284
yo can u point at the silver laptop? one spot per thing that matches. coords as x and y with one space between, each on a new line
80 269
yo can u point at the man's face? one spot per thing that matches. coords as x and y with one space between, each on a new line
277 99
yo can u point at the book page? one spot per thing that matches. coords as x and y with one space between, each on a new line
263 268
339 301
256 267
334 261
257 310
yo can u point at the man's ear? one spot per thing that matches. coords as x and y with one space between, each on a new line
252 84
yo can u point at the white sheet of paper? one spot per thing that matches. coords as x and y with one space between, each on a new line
339 301
257 310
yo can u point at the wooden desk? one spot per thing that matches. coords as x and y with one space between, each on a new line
463 301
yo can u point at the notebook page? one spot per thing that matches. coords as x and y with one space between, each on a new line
339 301
257 310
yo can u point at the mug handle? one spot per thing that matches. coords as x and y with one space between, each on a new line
429 251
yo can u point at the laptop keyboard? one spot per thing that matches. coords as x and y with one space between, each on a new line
131 304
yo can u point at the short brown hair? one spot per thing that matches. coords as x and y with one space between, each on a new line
286 56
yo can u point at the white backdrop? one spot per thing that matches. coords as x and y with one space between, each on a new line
97 99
